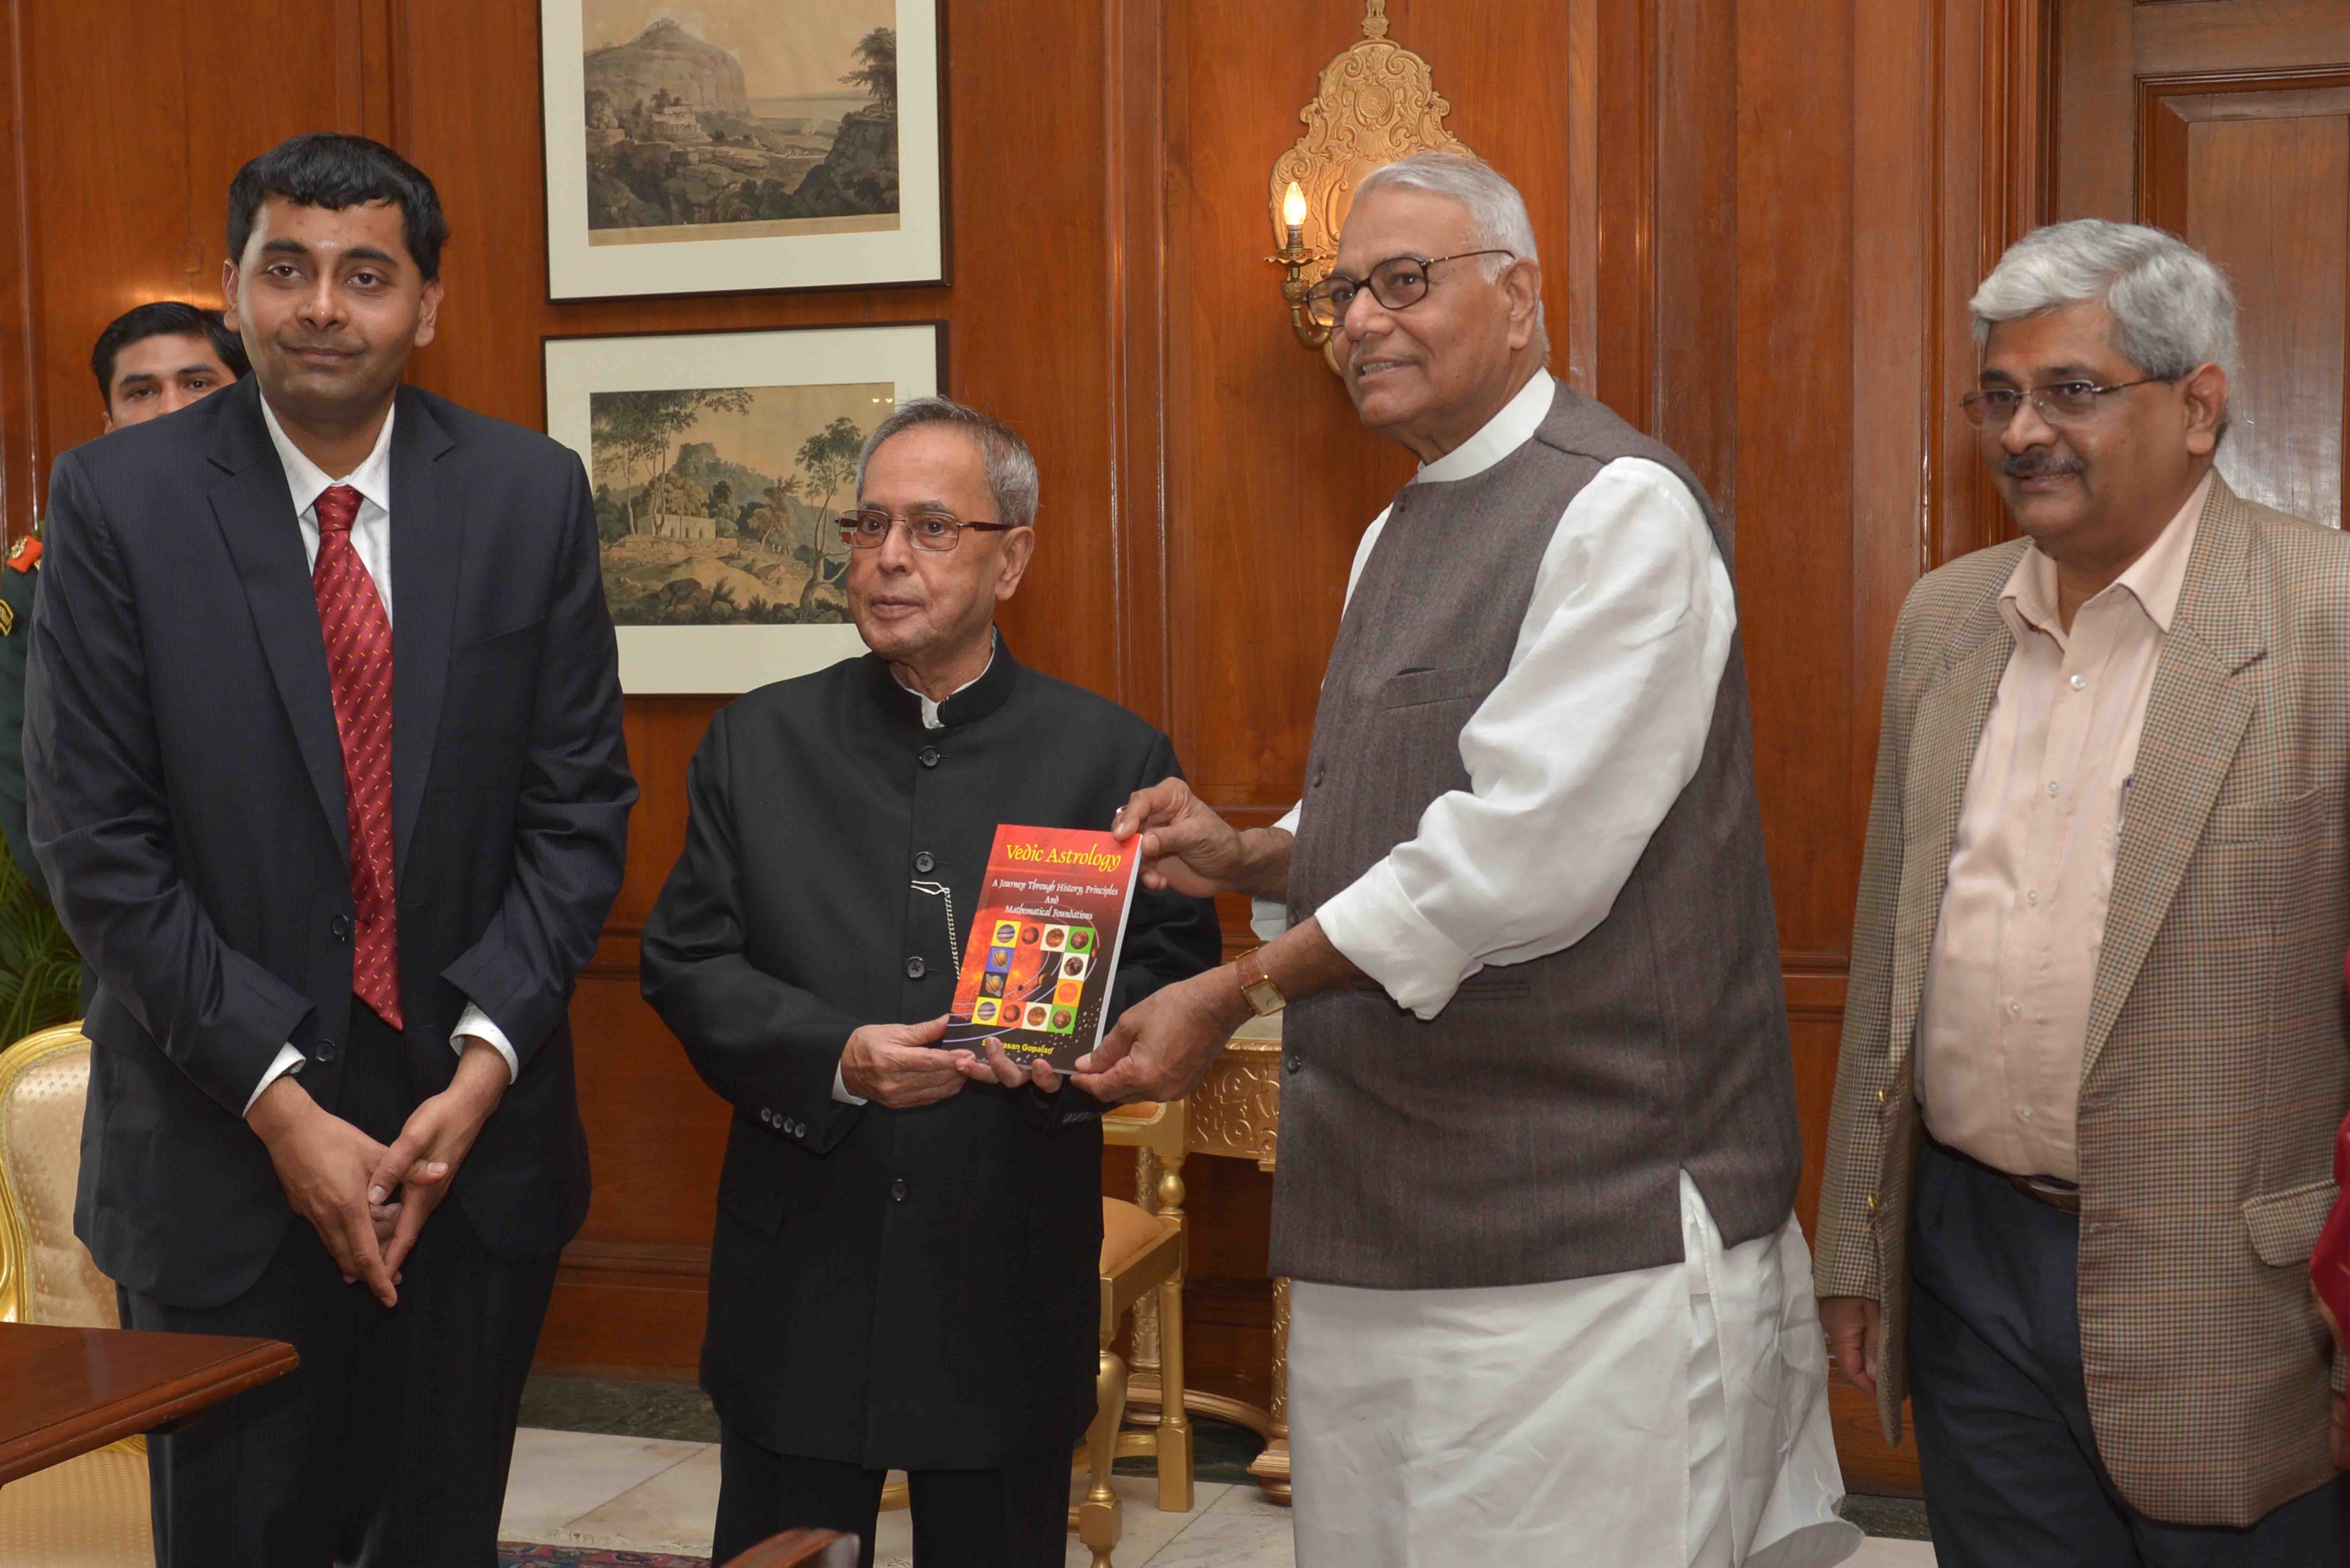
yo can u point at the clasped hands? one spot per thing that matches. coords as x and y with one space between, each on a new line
367 1201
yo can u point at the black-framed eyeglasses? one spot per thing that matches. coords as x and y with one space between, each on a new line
867 527
1397 283
2058 403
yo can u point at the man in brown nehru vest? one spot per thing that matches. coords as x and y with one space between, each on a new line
1538 1142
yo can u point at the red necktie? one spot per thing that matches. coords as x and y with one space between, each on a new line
358 669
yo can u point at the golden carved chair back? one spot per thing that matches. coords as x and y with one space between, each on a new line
92 1511
45 1273
1142 1273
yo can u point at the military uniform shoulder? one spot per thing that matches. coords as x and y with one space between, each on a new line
19 586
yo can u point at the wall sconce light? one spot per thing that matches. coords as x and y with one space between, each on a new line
1294 256
1378 103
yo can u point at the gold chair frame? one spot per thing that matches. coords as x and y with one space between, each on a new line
14 1245
1149 1284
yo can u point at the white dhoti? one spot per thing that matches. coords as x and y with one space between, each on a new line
1671 1416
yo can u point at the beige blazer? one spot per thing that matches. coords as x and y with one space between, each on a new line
2217 1065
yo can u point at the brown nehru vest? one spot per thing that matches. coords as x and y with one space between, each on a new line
1535 1129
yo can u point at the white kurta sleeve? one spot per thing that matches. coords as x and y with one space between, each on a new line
1572 759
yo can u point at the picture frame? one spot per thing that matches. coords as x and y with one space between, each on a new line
743 145
720 463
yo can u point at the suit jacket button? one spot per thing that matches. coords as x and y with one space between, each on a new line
1872 1202
925 862
341 925
324 1051
767 1117
1317 778
927 756
897 1191
916 968
1293 1063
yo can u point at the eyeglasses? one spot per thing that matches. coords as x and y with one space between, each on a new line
2058 403
1397 283
938 532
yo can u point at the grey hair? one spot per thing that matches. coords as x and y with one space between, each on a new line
1011 466
1497 214
2172 309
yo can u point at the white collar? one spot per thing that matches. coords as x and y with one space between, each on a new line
930 720
308 480
1499 437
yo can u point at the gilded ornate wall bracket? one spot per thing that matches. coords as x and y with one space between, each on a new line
1378 103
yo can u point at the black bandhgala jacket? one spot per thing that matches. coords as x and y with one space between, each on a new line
909 1289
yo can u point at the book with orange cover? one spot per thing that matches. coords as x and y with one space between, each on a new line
1044 944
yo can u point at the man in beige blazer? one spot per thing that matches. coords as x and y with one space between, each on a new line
2094 1046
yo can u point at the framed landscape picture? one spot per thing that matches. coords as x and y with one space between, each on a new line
740 144
721 464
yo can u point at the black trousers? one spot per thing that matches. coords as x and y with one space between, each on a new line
2005 1448
388 1446
1016 1517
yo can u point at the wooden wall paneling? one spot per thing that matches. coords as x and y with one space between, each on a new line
21 464
1693 191
2090 120
2255 171
1619 205
1144 140
1793 358
2266 35
135 117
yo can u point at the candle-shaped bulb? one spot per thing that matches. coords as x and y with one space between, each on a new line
1293 210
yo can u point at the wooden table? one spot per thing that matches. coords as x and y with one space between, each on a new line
66 1391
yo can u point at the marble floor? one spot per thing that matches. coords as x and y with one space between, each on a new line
659 1494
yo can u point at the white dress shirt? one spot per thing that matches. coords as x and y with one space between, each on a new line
371 541
2003 1016
1578 753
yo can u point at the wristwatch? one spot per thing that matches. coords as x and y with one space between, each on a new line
1256 986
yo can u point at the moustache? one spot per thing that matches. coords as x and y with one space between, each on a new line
2024 465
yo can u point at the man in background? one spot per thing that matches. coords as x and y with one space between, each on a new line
156 359
323 736
150 360
2094 1053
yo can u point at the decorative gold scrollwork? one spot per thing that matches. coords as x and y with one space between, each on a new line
1378 103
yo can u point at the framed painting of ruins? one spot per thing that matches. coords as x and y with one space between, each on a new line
720 463
740 144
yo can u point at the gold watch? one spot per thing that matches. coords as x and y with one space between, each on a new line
1256 986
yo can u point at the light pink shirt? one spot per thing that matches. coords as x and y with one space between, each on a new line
2004 1016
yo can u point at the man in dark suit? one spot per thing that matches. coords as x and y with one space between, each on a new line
903 1273
328 779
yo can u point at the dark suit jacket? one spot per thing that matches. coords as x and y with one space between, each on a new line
187 803
893 1288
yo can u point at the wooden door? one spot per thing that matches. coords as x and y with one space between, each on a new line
2228 123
